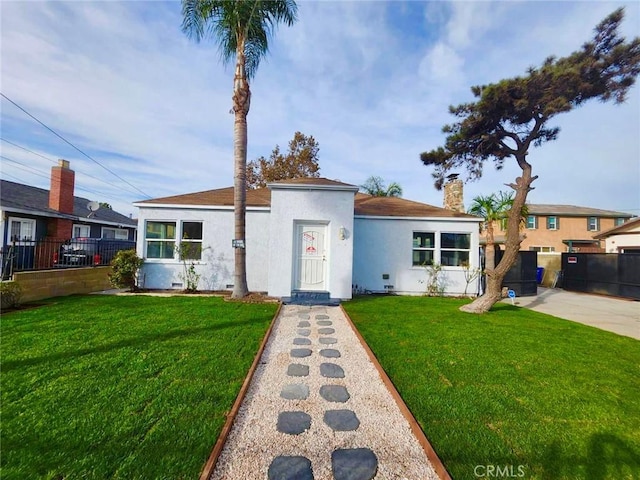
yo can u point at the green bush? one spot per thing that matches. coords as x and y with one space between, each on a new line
125 265
10 292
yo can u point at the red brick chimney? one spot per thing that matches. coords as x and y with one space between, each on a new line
62 185
61 199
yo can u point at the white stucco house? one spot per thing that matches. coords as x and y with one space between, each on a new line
624 238
311 235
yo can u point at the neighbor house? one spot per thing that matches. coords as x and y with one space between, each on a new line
564 228
311 235
623 238
31 213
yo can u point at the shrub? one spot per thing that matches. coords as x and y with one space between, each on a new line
10 292
125 265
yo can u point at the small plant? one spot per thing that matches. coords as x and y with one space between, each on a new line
11 293
470 274
188 252
435 283
125 267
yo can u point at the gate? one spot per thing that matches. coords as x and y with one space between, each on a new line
615 274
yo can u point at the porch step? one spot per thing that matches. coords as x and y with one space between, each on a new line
310 298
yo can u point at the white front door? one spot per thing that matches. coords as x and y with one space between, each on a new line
310 257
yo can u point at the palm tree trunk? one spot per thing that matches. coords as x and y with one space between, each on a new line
495 277
241 104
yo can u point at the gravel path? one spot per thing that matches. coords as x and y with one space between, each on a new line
368 429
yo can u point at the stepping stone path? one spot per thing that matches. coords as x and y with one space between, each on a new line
346 464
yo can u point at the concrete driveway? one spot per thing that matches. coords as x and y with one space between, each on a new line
616 315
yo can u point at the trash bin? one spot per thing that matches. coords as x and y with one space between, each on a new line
539 274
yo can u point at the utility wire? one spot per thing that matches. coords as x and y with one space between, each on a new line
119 187
73 146
33 171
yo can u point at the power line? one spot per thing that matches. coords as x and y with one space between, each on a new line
34 171
119 187
73 146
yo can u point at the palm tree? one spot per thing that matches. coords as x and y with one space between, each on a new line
242 29
493 209
375 186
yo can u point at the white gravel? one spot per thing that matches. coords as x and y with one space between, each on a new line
254 441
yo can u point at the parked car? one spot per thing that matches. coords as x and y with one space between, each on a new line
84 252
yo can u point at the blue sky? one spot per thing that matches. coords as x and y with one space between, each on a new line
370 80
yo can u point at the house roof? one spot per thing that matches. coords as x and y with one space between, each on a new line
620 229
364 205
573 211
35 201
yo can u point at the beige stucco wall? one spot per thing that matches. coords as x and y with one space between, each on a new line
573 228
551 262
57 283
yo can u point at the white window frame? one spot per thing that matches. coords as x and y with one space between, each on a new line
86 228
593 226
619 221
21 241
192 241
535 222
415 248
119 233
552 222
542 249
443 249
167 239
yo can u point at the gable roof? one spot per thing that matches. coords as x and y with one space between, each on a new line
22 198
573 211
626 227
364 205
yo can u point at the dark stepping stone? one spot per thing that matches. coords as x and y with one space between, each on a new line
290 468
341 420
296 391
334 393
322 317
328 340
330 353
305 332
297 370
331 370
293 423
326 331
304 316
324 323
300 352
304 324
354 464
301 341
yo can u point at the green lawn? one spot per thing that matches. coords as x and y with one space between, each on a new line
530 394
98 387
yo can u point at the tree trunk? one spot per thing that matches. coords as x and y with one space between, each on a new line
241 104
493 293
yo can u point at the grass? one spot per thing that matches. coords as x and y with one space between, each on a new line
532 395
98 387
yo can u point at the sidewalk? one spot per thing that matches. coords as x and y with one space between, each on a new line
615 315
317 408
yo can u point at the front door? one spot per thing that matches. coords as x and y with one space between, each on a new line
310 257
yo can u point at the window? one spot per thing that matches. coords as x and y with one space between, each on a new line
22 229
81 231
552 223
593 224
191 244
454 249
424 245
532 222
115 233
161 239
542 249
619 221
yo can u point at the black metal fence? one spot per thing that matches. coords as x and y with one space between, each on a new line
522 276
616 274
50 253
